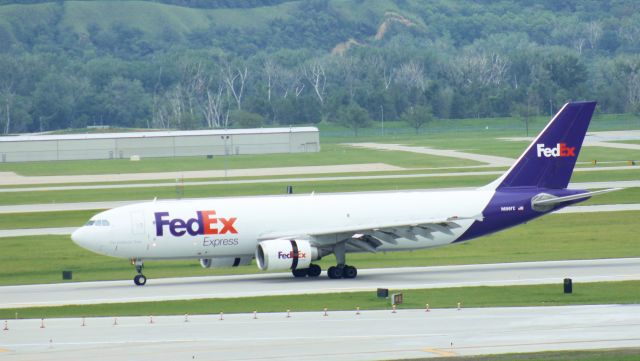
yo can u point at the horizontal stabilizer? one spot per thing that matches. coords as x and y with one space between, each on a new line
556 200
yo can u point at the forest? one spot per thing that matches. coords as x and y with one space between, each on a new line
192 64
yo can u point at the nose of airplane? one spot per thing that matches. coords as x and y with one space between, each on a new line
80 237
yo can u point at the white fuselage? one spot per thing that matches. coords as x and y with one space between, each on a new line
240 223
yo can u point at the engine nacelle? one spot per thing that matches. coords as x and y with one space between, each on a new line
223 262
281 254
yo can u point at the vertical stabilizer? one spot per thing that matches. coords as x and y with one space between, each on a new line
549 160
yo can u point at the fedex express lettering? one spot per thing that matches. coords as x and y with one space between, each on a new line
561 150
205 222
291 255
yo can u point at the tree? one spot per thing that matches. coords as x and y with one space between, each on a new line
125 102
354 116
418 116
235 80
53 102
245 119
524 112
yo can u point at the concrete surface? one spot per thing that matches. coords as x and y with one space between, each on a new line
262 284
490 160
11 178
372 335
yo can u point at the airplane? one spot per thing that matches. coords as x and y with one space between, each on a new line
290 232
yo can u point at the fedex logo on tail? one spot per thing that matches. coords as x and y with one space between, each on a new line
205 222
561 150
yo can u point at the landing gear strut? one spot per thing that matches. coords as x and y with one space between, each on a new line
139 279
341 270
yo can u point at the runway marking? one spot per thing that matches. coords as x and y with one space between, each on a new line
551 343
439 352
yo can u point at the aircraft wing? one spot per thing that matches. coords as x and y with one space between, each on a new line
368 237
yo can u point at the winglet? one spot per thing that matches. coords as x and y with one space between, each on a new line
549 160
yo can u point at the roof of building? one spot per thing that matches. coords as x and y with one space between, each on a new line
155 134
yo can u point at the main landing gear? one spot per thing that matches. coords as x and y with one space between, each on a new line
313 271
139 279
341 270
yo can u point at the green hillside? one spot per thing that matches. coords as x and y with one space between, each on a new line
206 64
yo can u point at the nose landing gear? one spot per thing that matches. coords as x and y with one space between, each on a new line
139 279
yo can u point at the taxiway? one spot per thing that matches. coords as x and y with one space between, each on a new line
371 335
284 284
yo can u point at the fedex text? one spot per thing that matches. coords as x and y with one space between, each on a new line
561 150
205 223
291 255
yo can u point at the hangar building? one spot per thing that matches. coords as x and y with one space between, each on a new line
24 148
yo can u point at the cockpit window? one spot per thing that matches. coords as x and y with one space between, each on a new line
90 223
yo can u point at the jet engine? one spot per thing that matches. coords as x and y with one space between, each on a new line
223 262
281 254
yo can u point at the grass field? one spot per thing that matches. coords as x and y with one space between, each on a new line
331 153
41 259
301 187
626 292
623 354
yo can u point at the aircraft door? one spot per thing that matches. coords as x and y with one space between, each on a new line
137 222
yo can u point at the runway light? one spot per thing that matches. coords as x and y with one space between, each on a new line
83 323
115 321
459 304
325 312
6 326
357 310
151 319
255 315
186 317
288 313
426 308
221 316
42 323
394 309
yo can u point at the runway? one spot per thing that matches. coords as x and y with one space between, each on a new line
264 284
372 335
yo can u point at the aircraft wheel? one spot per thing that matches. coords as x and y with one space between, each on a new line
140 280
314 270
334 272
349 272
298 273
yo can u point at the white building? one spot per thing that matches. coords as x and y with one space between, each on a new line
159 144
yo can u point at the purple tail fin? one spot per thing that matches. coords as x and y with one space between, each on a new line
549 160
